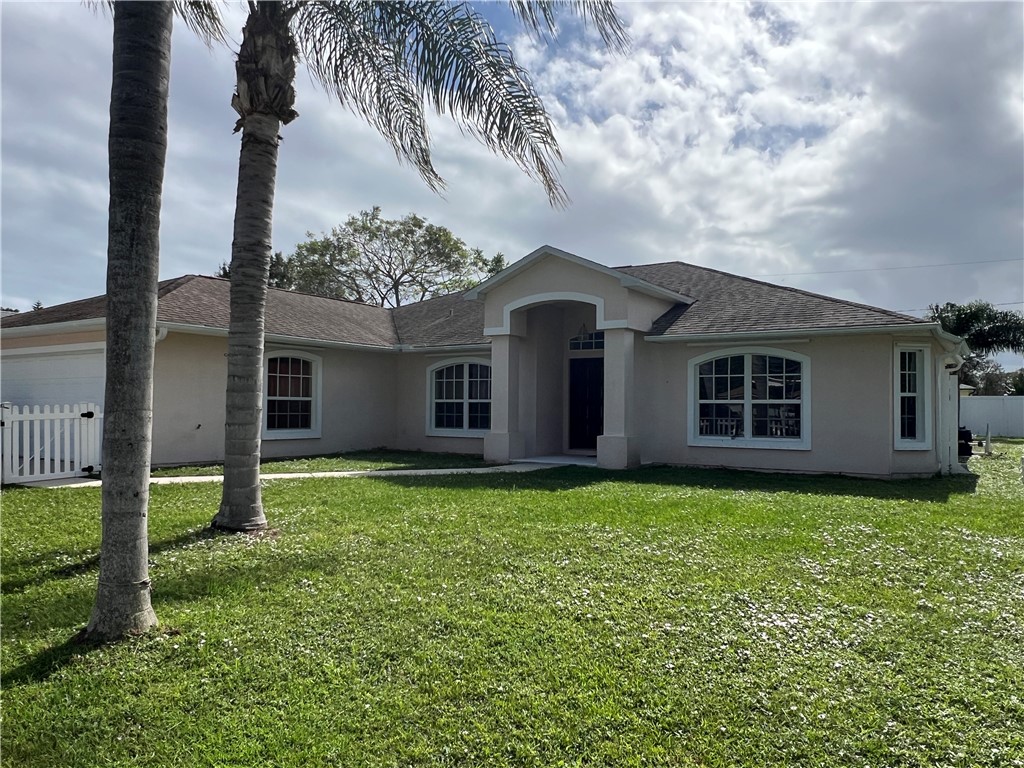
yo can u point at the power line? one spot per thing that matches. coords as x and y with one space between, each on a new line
993 303
885 269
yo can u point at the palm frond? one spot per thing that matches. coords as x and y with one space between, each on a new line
349 50
203 18
540 17
986 329
385 60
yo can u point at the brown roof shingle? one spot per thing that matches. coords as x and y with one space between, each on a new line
204 302
732 304
441 321
724 304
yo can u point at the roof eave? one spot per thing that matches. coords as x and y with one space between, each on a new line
625 280
909 328
475 347
279 338
949 341
46 329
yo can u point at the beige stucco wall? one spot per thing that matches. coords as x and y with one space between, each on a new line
189 374
548 384
51 339
851 410
358 389
409 404
358 392
554 275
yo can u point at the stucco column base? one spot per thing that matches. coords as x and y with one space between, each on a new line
618 452
504 447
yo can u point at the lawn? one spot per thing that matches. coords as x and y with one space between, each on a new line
341 462
565 617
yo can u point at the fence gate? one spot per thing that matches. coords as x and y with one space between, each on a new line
50 441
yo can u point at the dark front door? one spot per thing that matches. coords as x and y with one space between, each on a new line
586 402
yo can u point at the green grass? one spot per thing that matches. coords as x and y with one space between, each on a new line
342 462
564 617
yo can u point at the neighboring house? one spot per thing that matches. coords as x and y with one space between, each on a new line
661 363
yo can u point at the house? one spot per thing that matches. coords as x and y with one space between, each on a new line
659 363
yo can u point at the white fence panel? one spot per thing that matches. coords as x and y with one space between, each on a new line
1005 415
50 441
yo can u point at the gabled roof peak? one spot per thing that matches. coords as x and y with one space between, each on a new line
549 251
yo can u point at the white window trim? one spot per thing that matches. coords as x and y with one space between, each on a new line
295 434
924 378
770 443
433 431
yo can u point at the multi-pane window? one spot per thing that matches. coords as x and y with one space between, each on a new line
722 408
461 397
751 395
911 398
587 341
289 393
775 396
909 394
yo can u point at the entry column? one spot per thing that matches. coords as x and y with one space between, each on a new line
618 447
505 441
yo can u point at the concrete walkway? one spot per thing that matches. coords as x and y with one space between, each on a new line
532 466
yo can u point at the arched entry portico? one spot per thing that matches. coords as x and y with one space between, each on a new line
556 390
531 311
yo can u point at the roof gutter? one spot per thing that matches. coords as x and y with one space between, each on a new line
445 348
947 340
70 326
162 329
277 338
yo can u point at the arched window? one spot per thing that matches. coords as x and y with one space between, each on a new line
754 398
291 395
460 398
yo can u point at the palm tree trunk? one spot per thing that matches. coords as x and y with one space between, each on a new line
241 507
265 70
137 150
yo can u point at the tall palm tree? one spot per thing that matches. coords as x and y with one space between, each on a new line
987 330
137 147
387 62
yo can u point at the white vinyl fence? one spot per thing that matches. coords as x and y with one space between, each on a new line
50 441
1005 415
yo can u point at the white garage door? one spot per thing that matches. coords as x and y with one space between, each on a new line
53 379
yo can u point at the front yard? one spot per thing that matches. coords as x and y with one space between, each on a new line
563 617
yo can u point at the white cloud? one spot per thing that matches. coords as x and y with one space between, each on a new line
754 138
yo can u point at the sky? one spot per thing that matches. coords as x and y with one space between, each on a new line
872 152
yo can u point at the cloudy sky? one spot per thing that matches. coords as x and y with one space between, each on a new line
869 152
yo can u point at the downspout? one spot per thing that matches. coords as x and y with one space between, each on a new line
951 364
161 333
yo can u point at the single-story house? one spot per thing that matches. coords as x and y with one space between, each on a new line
658 363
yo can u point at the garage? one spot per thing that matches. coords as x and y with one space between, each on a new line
35 377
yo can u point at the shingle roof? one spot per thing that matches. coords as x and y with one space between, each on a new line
83 309
723 304
441 321
204 302
732 304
